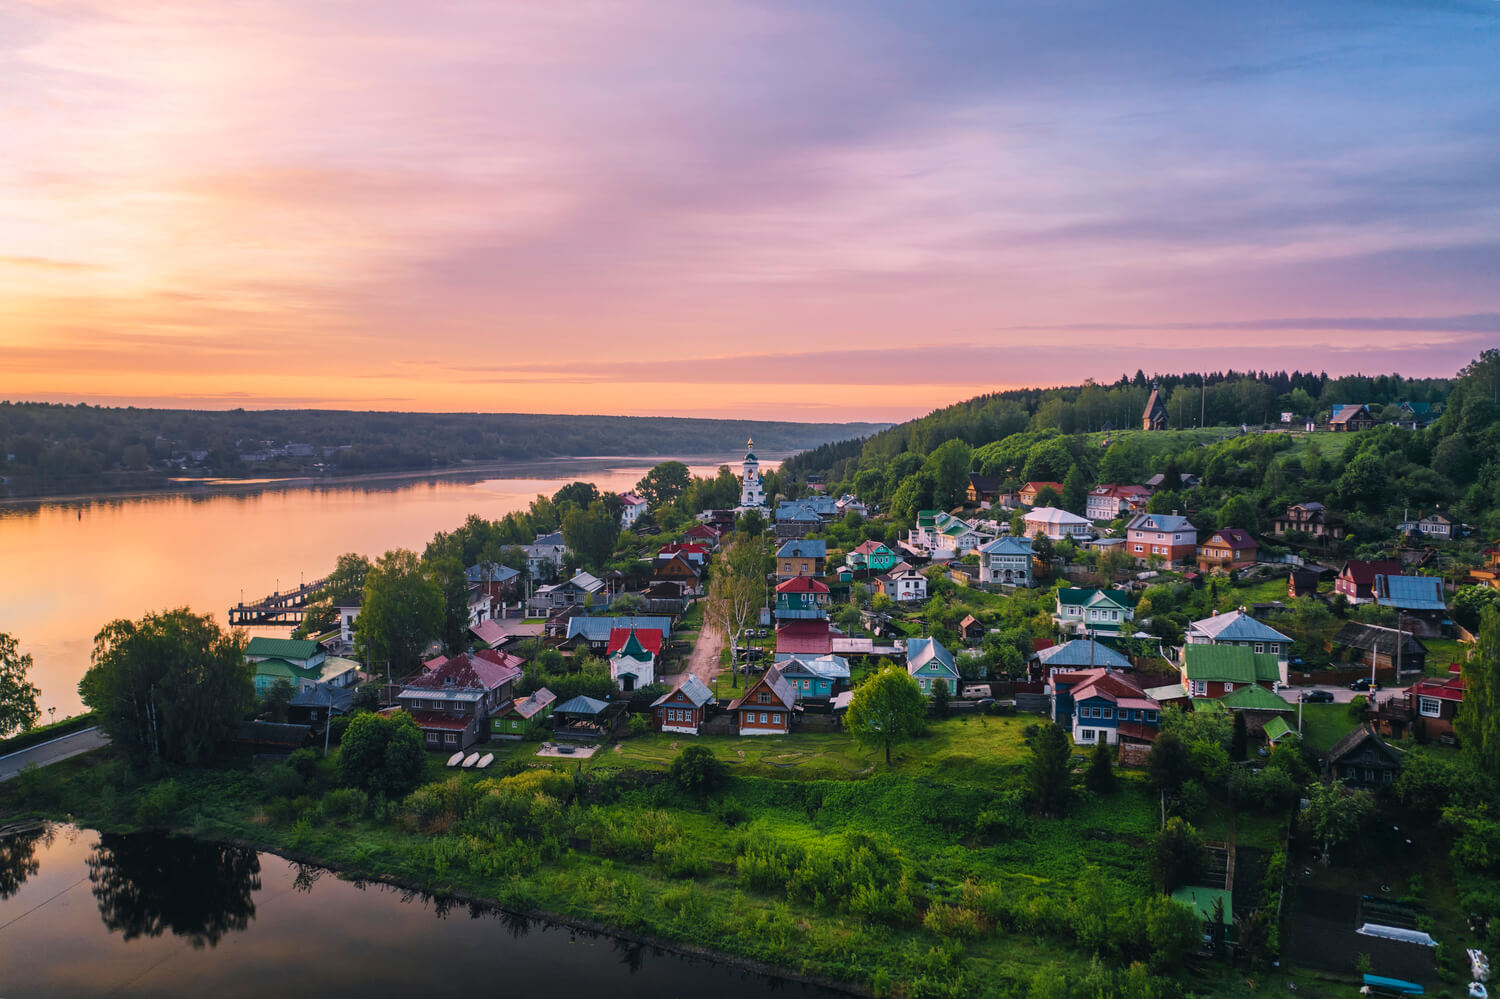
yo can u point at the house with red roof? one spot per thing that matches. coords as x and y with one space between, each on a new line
1356 580
804 638
1109 501
633 654
1226 550
452 698
1431 702
1102 705
632 506
704 536
766 708
802 598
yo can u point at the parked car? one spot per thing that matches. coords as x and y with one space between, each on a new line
1317 697
1363 683
1296 663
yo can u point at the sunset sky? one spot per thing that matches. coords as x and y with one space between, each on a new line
803 210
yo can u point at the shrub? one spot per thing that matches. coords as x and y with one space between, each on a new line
345 803
160 805
305 762
953 921
697 770
281 781
639 725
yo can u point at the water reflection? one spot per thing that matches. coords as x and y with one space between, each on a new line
148 885
18 859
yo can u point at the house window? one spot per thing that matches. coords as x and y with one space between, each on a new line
1085 735
1429 707
776 718
1151 716
1140 548
1369 776
1198 688
1109 712
1228 688
1260 647
763 698
1385 777
433 737
763 718
451 738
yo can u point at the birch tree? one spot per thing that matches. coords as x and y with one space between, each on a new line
736 592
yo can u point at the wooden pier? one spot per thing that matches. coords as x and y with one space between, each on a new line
277 609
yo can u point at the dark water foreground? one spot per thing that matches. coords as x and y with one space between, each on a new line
84 914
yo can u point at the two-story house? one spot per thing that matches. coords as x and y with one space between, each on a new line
1029 491
1351 417
544 556
1227 549
1056 524
1216 670
1110 501
849 503
1006 562
1362 759
983 490
1166 536
766 708
928 661
957 538
1309 518
1101 705
904 584
452 702
801 557
1087 611
872 556
802 597
1356 580
631 510
1238 628
583 590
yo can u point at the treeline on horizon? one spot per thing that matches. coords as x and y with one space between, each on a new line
1212 399
48 447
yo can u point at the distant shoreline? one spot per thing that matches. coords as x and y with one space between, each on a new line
477 471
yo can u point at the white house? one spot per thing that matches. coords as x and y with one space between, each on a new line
904 584
1056 524
1106 502
348 614
1006 562
631 511
1091 611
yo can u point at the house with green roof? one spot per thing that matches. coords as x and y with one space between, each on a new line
1083 611
1215 670
302 652
332 670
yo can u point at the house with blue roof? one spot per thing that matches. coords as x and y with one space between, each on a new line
814 677
1418 599
928 661
1006 561
1239 628
801 557
1080 653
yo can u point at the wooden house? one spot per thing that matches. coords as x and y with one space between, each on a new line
928 661
1102 706
512 721
452 702
1362 759
802 598
971 629
982 490
1351 417
1154 416
681 710
815 678
1309 518
801 557
1226 550
1215 670
766 708
1356 580
1029 491
1368 645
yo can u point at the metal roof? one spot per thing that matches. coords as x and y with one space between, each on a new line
1082 653
1230 664
1410 592
1235 626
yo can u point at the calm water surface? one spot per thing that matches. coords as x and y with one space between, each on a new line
88 915
68 568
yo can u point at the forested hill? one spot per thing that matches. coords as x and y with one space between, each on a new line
1215 399
47 448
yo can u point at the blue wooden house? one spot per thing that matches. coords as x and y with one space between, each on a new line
927 661
1101 705
815 678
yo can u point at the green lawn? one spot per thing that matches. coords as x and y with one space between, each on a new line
1325 724
1443 651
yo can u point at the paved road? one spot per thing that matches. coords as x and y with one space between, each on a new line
1341 692
51 752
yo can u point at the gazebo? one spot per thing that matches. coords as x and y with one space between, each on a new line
584 718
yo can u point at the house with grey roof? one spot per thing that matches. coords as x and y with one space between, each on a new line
1080 653
1419 601
1239 628
1006 562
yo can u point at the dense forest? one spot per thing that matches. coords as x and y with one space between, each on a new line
50 449
1090 434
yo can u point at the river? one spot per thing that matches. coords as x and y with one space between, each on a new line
88 915
69 567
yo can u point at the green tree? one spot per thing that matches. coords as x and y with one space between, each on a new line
1173 931
1178 856
752 524
1075 494
580 494
346 583
1047 496
1047 770
448 574
949 467
886 709
1101 773
18 707
382 754
1238 511
664 483
169 687
940 697
1240 739
278 699
627 604
697 770
1335 815
1478 721
736 591
401 613
591 533
1170 764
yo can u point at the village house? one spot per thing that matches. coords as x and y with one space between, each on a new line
512 721
971 629
1102 706
583 590
1356 580
1029 491
849 503
1260 707
957 538
348 616
803 638
767 706
1185 480
1006 561
1226 550
592 634
1215 670
667 598
1079 653
631 510
679 567
1431 702
1166 536
705 536
796 519
983 490
873 556
1438 527
904 584
928 661
1489 573
681 709
1309 518
544 556
1239 628
452 701
1351 417
300 662
1362 759
815 678
1056 524
1304 582
632 657
1383 648
1109 502
802 598
1418 600
1084 611
802 557
499 581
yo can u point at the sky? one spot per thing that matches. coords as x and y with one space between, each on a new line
821 210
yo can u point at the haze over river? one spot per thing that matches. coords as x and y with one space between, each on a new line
67 568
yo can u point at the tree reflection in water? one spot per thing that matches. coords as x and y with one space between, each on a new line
147 885
18 859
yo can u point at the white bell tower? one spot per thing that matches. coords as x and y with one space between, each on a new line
752 493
